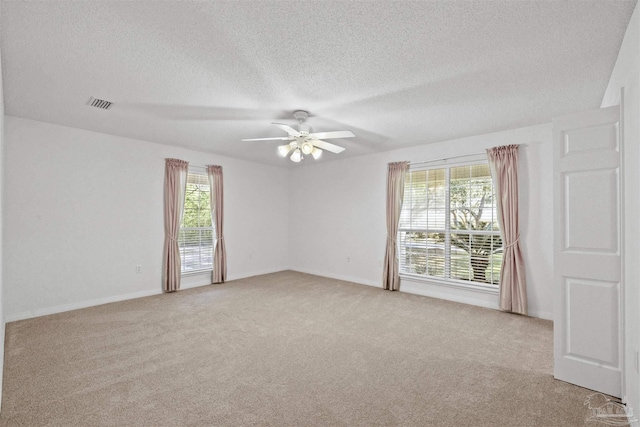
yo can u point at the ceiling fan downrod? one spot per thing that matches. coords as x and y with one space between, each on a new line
300 115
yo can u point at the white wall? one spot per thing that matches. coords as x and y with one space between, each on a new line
83 209
338 215
624 89
2 172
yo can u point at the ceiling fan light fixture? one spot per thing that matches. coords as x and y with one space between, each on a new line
296 156
303 141
307 147
284 150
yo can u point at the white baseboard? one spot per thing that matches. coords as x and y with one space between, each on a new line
255 273
541 314
449 296
199 280
205 280
633 421
2 334
432 291
405 287
357 280
78 305
465 297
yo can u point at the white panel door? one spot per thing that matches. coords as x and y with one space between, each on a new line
587 250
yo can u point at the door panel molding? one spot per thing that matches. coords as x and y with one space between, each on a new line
588 327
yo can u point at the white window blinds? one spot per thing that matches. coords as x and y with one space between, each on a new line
448 225
196 232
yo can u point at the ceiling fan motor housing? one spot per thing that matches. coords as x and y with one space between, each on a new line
300 115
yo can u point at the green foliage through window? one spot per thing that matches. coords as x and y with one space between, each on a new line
448 225
196 232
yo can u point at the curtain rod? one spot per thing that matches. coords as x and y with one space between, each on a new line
446 158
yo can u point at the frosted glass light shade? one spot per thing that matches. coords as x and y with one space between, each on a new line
316 153
307 147
284 150
296 156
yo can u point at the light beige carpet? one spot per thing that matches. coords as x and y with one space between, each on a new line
285 349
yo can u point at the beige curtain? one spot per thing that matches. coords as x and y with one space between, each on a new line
395 193
504 170
219 274
175 184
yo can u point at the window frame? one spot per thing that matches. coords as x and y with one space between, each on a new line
195 170
447 165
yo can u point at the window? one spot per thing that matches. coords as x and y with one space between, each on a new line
196 233
448 225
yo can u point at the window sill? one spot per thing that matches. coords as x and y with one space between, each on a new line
487 289
195 273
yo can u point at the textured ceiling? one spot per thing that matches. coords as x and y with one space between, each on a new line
204 75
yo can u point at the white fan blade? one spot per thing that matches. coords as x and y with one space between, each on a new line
330 135
327 146
279 138
288 129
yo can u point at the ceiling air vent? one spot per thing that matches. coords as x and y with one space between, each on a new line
99 103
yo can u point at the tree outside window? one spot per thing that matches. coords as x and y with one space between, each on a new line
196 232
448 226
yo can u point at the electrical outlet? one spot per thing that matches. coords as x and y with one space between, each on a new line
636 361
138 269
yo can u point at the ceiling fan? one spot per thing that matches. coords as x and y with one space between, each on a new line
303 142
